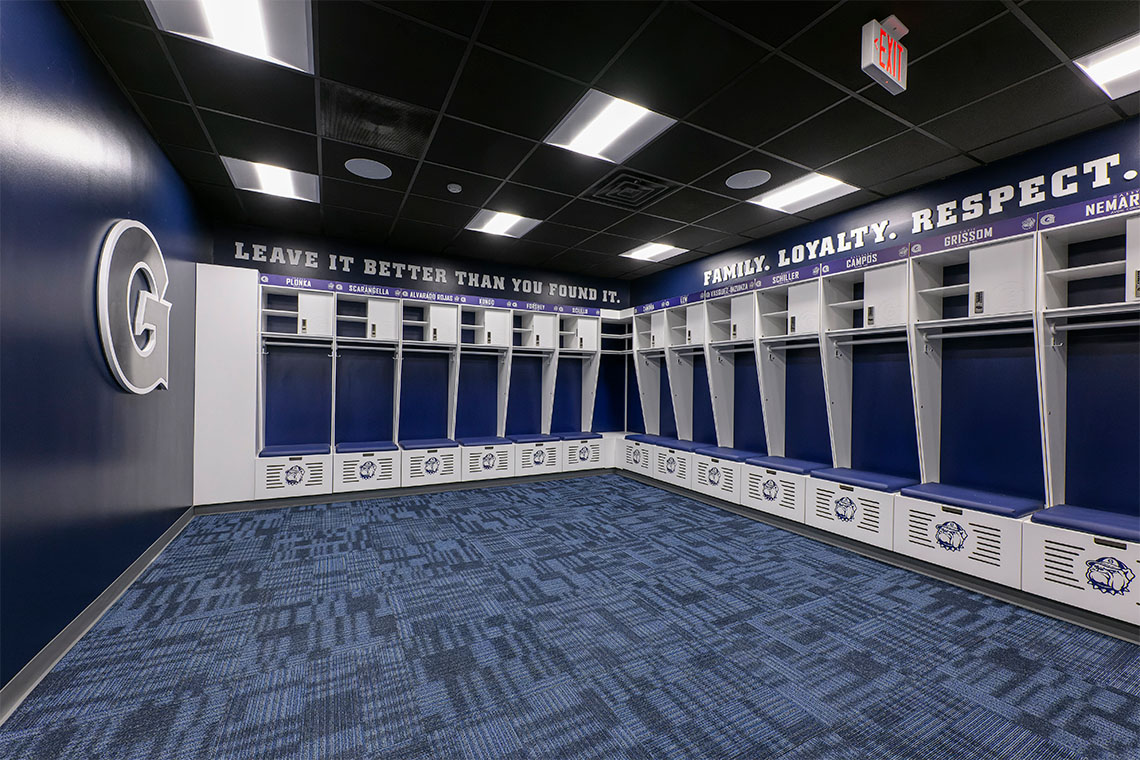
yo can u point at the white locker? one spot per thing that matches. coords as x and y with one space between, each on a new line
588 330
773 491
383 320
803 308
443 323
672 466
366 471
1002 278
885 296
496 329
538 457
743 318
486 462
422 467
582 454
281 477
657 330
315 313
860 513
717 477
695 324
637 457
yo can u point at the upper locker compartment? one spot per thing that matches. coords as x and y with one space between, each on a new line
364 318
535 330
578 333
989 281
430 323
287 311
479 326
1091 267
868 299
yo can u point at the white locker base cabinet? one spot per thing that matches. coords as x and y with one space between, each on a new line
971 542
637 456
365 470
672 466
487 461
716 476
773 491
863 514
537 454
582 454
1086 571
281 477
613 449
429 466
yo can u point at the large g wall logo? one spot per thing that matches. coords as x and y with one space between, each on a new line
134 315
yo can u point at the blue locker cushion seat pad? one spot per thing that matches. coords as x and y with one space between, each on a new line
485 440
1095 521
669 443
533 438
295 450
357 447
863 479
428 443
732 455
970 498
578 436
786 464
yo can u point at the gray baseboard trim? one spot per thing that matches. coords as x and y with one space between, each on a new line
17 690
1099 623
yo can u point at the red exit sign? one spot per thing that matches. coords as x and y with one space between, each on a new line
884 57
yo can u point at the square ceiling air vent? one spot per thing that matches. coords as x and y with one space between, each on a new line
365 118
630 190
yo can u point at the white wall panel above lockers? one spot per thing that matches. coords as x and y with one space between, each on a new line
532 330
578 333
430 322
485 327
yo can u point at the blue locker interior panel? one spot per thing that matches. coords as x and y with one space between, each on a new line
635 417
567 417
609 401
524 402
991 425
365 394
704 426
1103 430
806 435
747 417
478 396
883 434
298 396
423 396
668 419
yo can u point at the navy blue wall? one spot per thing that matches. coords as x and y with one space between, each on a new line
298 396
704 426
423 396
635 417
567 415
92 475
609 403
883 435
806 435
668 419
748 419
524 401
365 390
478 396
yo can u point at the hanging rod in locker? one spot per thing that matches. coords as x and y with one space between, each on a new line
980 333
291 344
357 347
1096 325
870 341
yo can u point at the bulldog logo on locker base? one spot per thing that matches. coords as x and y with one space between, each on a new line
295 475
489 461
636 456
714 476
1109 575
770 489
431 465
538 457
134 315
584 454
950 536
845 508
671 465
367 470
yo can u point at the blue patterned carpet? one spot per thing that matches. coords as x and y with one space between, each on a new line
587 618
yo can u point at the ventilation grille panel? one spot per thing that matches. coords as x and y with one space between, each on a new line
1060 564
987 545
365 118
630 190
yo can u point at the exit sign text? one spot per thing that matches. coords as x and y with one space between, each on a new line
884 57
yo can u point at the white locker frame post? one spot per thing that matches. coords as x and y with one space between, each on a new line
679 363
583 453
491 332
648 358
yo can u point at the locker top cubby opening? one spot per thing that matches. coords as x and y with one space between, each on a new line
484 327
1091 267
578 333
367 318
718 314
772 310
649 331
286 312
866 299
534 330
616 336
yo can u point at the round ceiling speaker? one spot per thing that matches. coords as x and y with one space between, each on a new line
748 179
367 168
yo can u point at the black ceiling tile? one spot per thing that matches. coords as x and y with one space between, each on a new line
684 153
773 21
1058 130
590 215
925 175
742 216
857 198
898 155
468 146
643 226
688 205
334 155
527 201
503 93
457 17
217 201
361 117
172 122
262 143
561 170
832 47
558 234
358 225
421 236
1036 102
842 130
368 47
994 56
133 53
226 81
128 10
1084 27
781 172
611 244
683 258
691 237
659 71
724 244
580 261
374 200
501 249
437 212
433 180
281 213
1130 104
771 228
552 34
767 100
197 166
616 266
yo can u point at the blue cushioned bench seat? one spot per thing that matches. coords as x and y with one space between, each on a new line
732 455
356 448
669 443
486 440
532 438
295 450
1095 521
969 498
786 464
428 443
864 479
579 436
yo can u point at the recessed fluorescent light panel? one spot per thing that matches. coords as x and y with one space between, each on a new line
278 31
606 127
272 180
502 223
805 192
1116 68
653 252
